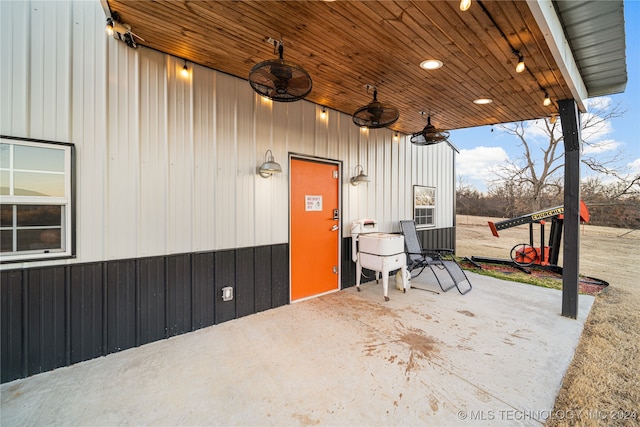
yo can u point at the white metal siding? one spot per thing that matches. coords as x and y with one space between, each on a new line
167 164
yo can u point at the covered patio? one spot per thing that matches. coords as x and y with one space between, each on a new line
347 358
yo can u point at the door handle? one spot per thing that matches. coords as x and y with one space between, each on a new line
335 227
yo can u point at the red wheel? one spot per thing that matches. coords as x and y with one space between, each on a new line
524 254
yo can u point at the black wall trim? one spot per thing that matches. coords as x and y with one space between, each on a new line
57 316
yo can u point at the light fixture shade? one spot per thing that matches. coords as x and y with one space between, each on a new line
270 166
547 100
465 5
361 177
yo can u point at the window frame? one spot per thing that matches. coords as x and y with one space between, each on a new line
67 202
418 195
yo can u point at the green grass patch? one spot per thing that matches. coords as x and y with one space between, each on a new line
545 282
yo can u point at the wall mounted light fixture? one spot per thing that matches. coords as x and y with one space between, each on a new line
360 177
269 167
185 70
323 113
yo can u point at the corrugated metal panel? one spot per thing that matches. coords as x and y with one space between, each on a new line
226 147
46 319
12 357
86 310
263 261
153 171
203 290
121 305
245 282
151 297
179 294
167 164
204 174
180 143
597 39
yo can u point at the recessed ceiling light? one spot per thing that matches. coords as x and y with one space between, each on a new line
431 64
482 101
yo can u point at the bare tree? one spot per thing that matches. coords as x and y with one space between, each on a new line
538 173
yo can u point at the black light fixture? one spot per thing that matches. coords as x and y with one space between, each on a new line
547 100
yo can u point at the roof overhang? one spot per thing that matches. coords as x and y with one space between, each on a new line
345 45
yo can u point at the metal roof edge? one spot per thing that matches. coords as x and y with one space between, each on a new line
608 90
547 19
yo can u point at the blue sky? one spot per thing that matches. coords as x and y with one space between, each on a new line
481 149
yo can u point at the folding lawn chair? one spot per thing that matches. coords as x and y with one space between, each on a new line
442 259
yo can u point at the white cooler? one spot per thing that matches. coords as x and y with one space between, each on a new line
382 244
381 252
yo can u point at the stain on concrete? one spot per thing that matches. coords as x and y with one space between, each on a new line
420 347
306 420
520 333
466 313
14 392
482 395
433 403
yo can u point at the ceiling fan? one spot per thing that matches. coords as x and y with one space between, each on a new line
375 114
278 79
430 134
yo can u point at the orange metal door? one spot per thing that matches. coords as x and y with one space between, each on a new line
315 234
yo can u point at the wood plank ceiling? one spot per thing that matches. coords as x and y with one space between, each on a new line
345 45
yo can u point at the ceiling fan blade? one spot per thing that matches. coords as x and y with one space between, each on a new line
301 82
265 77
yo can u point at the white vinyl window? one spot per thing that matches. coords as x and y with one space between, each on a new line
424 206
36 209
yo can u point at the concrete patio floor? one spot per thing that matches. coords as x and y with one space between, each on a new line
497 354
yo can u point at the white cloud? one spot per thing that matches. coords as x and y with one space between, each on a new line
634 166
603 146
476 164
601 128
536 130
601 102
